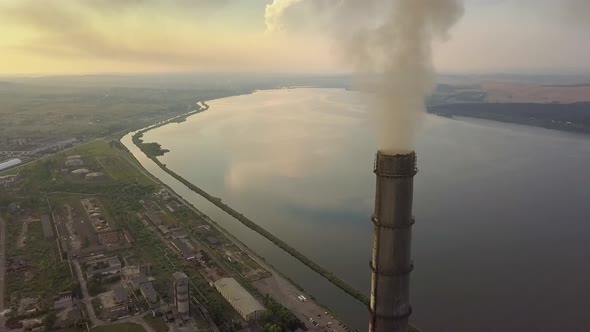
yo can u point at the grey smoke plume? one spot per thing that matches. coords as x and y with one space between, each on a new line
577 11
389 41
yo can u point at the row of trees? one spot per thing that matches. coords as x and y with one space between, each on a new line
277 318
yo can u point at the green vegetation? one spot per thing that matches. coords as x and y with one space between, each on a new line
104 156
49 320
150 149
97 306
156 323
278 318
567 117
153 149
125 327
86 112
38 269
149 248
98 284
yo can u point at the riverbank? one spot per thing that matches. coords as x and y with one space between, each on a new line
574 117
153 150
216 201
280 287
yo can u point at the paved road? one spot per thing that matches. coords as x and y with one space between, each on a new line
2 267
87 300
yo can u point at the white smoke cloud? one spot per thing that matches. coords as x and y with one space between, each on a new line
578 11
274 12
391 39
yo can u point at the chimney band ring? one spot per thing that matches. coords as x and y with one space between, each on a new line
376 222
391 273
391 317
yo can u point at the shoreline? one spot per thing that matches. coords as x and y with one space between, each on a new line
257 257
137 140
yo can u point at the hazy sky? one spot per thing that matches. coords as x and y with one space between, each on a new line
106 36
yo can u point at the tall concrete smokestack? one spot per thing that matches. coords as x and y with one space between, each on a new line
391 262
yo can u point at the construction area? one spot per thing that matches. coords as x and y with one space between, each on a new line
85 227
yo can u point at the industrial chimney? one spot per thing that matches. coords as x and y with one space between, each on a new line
391 262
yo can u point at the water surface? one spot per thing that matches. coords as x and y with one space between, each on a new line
500 242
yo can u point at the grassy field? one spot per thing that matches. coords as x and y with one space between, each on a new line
167 219
108 157
125 327
98 156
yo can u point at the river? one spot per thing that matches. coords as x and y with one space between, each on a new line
502 211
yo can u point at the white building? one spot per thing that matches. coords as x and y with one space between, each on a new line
244 303
9 163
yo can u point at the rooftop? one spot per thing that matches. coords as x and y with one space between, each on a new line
120 294
9 163
179 275
185 249
238 296
148 291
139 280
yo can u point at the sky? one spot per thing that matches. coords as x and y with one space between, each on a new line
119 36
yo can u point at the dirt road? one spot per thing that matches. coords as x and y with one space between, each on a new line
87 300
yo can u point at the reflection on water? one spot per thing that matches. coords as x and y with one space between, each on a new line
502 213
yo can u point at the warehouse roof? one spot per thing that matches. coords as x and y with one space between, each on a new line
179 275
9 163
148 291
238 296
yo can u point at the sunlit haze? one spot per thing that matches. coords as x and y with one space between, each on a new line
115 36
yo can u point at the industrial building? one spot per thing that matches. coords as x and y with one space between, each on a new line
95 176
30 146
185 248
145 288
244 303
9 163
181 294
108 266
81 172
149 293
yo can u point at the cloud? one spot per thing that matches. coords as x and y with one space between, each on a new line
103 29
187 4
